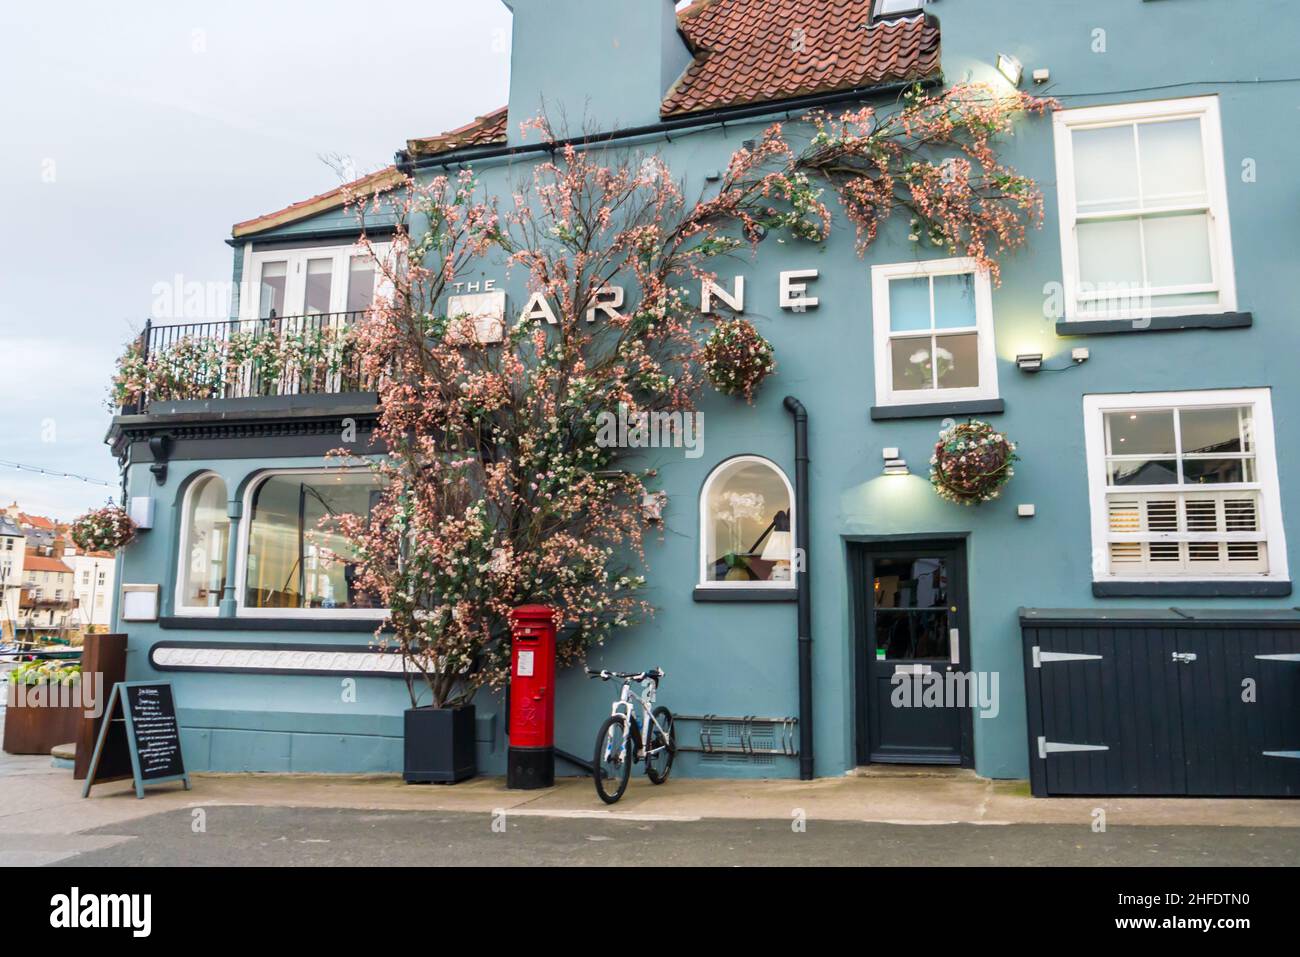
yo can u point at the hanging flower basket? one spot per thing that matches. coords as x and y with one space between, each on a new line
104 530
736 358
971 463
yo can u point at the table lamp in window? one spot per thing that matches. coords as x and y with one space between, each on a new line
777 549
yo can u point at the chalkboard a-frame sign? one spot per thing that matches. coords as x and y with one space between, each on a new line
144 743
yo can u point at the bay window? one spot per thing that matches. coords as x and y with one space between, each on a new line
1144 212
746 526
1184 486
933 326
296 560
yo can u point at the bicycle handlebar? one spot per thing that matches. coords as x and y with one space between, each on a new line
603 675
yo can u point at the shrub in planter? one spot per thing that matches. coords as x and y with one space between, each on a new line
736 358
44 707
104 530
971 463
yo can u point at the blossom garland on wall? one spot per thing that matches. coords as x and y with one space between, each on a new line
736 358
104 530
971 463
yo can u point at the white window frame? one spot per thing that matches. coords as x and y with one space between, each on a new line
179 608
241 564
702 575
1266 484
881 277
1204 108
295 288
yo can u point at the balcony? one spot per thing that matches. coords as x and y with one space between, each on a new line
241 359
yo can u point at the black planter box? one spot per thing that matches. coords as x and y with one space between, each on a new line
439 745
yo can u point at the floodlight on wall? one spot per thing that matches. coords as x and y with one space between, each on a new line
1011 68
1029 361
894 465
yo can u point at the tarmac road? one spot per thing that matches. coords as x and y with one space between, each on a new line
304 837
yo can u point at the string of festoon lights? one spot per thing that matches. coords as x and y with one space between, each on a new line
55 473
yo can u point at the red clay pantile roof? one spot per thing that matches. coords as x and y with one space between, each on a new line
43 563
36 521
382 179
485 130
747 51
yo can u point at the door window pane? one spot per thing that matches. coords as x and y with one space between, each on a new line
319 279
910 583
207 536
297 557
274 280
361 283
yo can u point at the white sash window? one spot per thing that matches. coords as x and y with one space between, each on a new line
1184 485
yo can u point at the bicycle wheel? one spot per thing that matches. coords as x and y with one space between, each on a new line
659 764
612 764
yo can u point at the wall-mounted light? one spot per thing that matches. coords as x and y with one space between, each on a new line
1011 68
893 464
1029 361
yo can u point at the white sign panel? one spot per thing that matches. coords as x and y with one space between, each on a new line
525 664
486 309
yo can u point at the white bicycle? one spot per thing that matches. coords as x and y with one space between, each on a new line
618 745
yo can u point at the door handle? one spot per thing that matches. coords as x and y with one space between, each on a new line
1184 657
954 646
912 669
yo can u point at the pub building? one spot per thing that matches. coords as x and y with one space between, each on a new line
1102 614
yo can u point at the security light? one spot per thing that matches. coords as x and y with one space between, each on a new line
1010 67
1029 361
896 467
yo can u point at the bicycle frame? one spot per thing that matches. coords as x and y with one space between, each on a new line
626 707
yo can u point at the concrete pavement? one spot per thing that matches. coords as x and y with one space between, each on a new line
43 818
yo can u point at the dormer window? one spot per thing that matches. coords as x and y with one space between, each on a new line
891 9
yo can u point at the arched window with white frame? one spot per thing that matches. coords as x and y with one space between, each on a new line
204 546
746 526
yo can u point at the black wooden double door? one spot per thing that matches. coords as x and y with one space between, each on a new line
1152 709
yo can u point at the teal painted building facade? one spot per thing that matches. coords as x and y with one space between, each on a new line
1225 67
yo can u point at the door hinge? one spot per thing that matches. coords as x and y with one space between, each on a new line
1046 747
1278 657
1050 656
1282 754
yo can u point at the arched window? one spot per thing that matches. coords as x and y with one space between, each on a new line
746 525
205 537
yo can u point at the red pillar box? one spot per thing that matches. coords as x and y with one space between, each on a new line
530 762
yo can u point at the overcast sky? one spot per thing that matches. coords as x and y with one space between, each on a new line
132 137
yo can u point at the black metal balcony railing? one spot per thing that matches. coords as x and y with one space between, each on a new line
239 359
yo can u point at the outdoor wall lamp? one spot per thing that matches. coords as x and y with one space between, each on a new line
1029 361
1011 68
893 464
